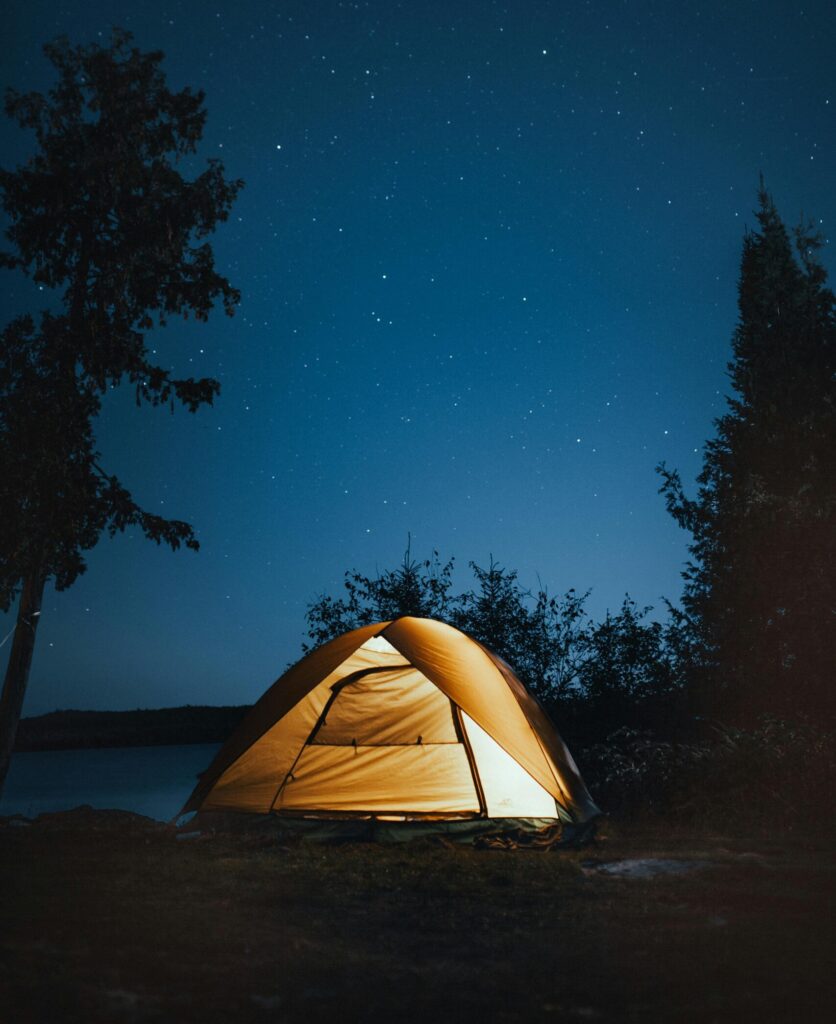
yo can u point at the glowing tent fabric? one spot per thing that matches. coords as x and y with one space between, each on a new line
409 719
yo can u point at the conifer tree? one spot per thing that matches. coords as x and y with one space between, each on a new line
102 217
761 586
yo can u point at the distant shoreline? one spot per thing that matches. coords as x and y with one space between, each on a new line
68 730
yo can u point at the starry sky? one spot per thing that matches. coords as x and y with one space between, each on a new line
488 257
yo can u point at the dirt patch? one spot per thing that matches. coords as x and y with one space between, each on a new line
113 919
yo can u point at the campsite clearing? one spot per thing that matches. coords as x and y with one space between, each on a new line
108 917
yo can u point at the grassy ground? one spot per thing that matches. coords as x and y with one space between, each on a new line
106 917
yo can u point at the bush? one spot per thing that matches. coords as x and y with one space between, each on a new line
779 771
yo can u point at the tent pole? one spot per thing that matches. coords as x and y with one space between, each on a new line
474 771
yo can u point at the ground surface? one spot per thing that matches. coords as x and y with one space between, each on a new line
108 917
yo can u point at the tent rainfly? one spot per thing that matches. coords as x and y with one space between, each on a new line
397 721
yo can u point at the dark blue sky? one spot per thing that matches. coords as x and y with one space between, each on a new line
488 256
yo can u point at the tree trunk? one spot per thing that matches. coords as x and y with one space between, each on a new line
17 671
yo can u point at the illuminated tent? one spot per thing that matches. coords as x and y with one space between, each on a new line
404 720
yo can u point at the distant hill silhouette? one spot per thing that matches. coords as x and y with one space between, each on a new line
63 730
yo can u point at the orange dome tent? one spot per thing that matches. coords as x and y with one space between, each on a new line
404 720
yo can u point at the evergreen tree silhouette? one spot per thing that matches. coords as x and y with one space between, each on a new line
761 586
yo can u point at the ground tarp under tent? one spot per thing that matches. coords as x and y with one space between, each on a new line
408 721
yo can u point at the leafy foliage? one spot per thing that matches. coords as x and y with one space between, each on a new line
420 588
607 670
776 772
628 663
102 216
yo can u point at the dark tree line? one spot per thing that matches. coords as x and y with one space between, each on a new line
595 675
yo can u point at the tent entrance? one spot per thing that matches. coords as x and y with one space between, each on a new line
388 742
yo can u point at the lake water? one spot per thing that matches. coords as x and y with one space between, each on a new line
154 781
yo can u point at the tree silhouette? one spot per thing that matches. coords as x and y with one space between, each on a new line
630 668
600 674
101 216
761 585
420 588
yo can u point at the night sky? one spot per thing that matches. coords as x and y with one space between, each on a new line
488 256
